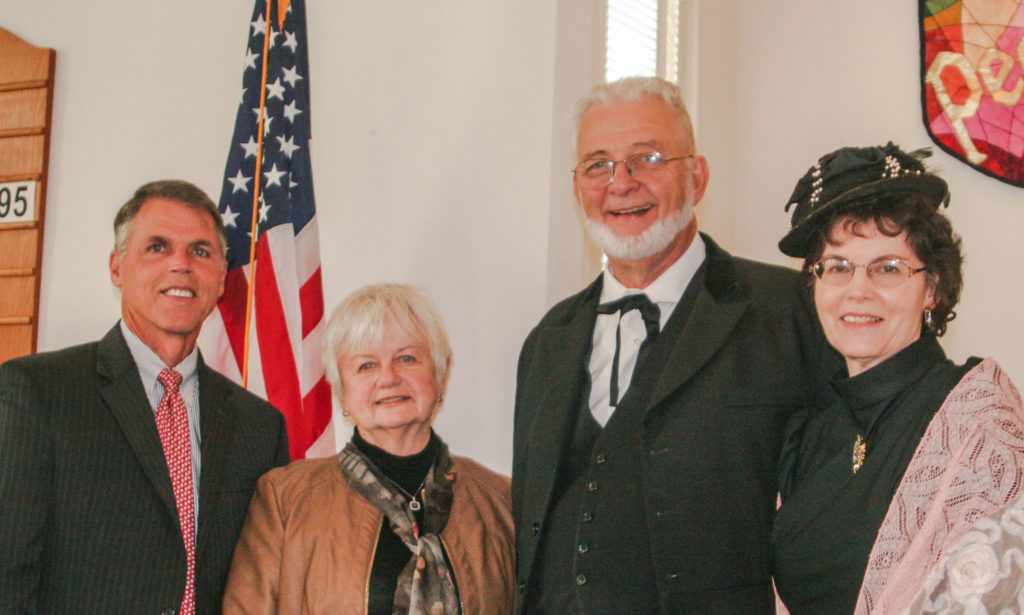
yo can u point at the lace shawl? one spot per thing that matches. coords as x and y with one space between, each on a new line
968 467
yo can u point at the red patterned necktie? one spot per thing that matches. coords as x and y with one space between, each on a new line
172 422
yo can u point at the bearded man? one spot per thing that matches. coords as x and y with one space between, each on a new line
650 406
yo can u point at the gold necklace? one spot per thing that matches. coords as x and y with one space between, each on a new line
860 449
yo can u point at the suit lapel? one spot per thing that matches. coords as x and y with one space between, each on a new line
561 360
217 426
128 403
704 333
720 304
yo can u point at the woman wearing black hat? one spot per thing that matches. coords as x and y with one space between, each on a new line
899 495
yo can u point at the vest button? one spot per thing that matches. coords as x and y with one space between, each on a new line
582 548
535 528
592 485
581 579
587 517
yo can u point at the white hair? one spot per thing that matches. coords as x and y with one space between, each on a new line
636 88
360 319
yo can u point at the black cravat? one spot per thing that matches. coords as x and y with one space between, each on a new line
652 321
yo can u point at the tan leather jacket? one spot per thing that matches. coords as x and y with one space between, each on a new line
308 543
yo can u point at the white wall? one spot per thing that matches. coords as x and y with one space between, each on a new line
441 155
714 60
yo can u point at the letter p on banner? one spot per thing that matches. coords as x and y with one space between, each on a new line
972 95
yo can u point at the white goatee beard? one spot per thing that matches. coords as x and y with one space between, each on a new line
655 239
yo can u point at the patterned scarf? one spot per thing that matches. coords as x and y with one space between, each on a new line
425 586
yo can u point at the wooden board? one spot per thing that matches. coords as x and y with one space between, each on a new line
26 105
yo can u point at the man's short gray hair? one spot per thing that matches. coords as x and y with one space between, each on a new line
360 319
636 88
183 192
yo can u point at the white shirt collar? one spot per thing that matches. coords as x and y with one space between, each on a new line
150 365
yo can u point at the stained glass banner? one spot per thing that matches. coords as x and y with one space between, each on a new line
972 65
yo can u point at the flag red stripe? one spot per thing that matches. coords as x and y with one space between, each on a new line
311 296
235 294
278 363
317 406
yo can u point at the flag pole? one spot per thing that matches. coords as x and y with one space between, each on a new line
254 235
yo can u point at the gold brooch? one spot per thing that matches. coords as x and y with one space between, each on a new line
860 448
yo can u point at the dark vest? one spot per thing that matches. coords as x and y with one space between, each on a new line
594 556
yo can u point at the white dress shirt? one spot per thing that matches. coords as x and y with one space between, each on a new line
665 292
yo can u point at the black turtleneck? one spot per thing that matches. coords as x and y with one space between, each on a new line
392 555
824 532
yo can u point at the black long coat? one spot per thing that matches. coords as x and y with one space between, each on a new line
750 354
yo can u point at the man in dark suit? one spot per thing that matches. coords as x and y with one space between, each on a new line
646 432
127 464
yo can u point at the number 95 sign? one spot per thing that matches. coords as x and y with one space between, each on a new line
17 202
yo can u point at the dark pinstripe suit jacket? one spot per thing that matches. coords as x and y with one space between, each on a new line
87 516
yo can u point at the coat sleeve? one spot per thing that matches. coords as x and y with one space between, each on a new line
254 581
521 421
24 481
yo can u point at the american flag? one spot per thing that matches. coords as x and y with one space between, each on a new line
284 308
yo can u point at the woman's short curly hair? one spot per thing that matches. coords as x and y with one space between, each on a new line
929 234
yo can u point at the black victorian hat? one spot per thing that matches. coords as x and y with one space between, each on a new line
841 179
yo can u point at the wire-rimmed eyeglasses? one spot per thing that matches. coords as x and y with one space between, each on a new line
885 271
596 171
